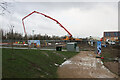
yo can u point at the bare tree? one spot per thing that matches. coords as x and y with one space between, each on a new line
4 8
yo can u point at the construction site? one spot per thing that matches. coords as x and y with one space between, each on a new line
32 55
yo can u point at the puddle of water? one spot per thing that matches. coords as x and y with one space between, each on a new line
66 62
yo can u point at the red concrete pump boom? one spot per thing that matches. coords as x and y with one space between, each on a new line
70 35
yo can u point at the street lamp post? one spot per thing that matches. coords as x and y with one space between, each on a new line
33 37
33 34
12 43
12 37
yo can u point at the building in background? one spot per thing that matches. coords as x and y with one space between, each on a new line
112 36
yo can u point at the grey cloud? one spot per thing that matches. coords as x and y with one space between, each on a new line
80 18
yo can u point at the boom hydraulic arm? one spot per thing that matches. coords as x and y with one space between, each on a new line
70 35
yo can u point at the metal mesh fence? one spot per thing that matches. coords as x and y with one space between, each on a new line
51 44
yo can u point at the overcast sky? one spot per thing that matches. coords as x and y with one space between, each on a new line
81 19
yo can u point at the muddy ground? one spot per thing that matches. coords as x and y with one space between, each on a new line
111 51
112 66
84 65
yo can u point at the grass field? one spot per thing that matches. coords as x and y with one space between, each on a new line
32 63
